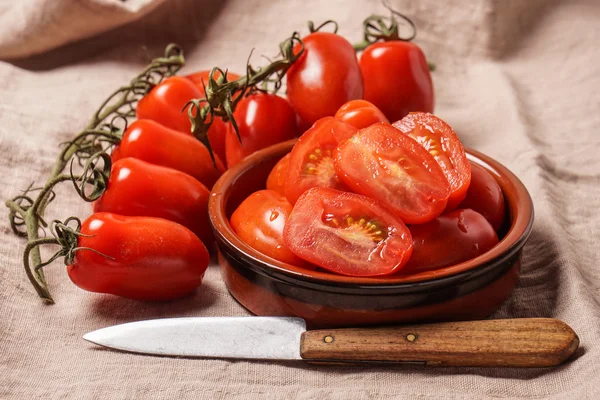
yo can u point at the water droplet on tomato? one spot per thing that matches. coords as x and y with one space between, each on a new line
274 215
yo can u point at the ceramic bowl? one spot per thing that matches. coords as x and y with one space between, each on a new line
469 290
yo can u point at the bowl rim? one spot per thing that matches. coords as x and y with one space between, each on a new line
518 201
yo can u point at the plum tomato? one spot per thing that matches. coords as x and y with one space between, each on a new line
311 161
396 78
360 114
450 239
141 258
439 139
259 222
394 169
485 197
326 76
276 178
347 233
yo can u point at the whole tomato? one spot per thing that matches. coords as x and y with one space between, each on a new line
325 76
396 78
141 258
360 114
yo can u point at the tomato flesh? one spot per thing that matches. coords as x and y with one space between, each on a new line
360 114
276 178
485 196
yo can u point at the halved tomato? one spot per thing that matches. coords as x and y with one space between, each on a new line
394 169
347 233
276 178
485 196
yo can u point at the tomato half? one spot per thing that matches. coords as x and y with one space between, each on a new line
263 119
360 114
449 239
276 178
150 258
396 78
393 168
138 188
439 139
326 76
347 233
311 160
485 196
150 141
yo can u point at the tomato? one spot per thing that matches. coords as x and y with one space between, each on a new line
259 222
347 233
311 162
150 141
449 239
150 258
200 78
485 197
439 139
396 78
326 76
138 188
360 114
276 179
391 167
263 119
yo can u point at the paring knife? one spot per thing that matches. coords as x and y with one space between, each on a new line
526 342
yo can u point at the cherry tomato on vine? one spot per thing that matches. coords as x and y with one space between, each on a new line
138 188
439 139
360 114
276 178
200 78
391 167
396 78
141 258
347 233
325 76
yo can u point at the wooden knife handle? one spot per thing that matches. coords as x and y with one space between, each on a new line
527 342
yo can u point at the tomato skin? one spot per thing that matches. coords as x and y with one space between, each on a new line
276 178
450 239
326 76
152 258
150 141
347 234
138 188
360 114
485 196
259 222
397 78
263 120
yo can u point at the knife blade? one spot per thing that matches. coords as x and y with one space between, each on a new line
523 342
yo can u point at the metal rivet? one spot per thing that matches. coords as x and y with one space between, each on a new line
411 337
328 339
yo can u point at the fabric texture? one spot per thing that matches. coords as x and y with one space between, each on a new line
518 80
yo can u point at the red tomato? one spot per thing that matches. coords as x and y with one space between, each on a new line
448 240
311 162
360 114
259 221
263 120
150 141
485 197
151 258
138 188
396 78
347 233
439 139
276 179
391 167
326 76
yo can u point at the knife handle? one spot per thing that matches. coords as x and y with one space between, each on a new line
523 342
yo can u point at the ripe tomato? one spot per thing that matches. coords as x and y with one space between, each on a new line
360 114
326 76
151 258
138 188
439 139
391 167
396 78
485 197
347 233
263 120
259 221
449 239
150 141
276 179
311 162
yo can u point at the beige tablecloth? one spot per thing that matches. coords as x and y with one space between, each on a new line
518 79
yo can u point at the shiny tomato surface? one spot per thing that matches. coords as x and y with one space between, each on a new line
485 196
360 114
276 178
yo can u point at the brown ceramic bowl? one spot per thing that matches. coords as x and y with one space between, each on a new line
469 290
